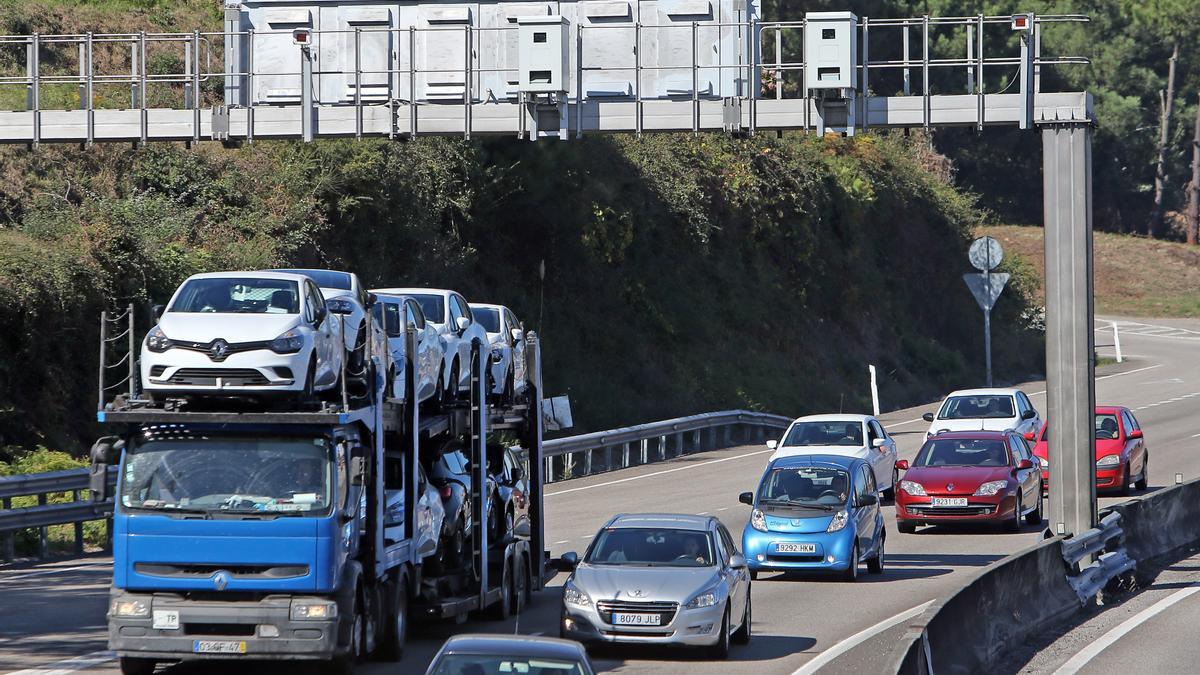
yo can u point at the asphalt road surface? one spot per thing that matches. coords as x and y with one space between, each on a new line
52 615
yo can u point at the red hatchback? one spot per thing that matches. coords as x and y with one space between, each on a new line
1120 451
970 476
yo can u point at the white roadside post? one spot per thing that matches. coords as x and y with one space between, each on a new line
1117 342
874 392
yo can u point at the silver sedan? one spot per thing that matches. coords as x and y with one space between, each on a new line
659 579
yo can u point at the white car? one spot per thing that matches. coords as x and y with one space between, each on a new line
985 410
450 315
388 312
508 349
859 436
345 296
430 515
243 332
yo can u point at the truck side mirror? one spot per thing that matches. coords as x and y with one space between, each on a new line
358 469
105 452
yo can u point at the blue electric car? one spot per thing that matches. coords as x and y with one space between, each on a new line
815 513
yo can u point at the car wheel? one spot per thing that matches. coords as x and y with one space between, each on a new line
1014 525
1125 478
720 650
889 495
753 575
391 383
451 394
875 565
1143 480
742 634
1035 516
906 528
309 391
851 573
520 586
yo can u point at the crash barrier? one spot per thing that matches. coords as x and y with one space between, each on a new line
1001 606
602 451
1025 593
78 509
574 456
1162 522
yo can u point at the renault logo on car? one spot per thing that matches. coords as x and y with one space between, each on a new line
949 487
220 580
219 350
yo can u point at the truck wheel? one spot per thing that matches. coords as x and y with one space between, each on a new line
521 586
396 633
503 607
136 665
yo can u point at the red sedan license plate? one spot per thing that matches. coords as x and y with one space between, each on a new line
949 501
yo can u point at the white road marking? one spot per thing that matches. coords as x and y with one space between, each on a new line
1091 651
1196 436
1170 400
858 638
69 665
57 570
588 536
564 541
702 513
659 473
724 508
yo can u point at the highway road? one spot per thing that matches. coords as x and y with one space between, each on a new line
52 615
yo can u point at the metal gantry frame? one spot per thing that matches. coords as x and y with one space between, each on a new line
187 112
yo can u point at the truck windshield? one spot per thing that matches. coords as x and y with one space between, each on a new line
290 476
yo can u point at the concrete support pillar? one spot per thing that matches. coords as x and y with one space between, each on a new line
1070 343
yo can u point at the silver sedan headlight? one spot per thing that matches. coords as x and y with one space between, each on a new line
572 595
705 599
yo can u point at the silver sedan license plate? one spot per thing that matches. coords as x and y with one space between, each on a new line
218 647
622 619
796 548
949 501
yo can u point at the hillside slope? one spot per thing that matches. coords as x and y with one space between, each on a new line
1135 276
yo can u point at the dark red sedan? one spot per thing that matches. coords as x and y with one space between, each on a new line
970 476
1120 451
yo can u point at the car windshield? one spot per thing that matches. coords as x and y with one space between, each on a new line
489 664
804 485
238 296
652 546
432 306
963 452
848 432
213 474
488 318
990 406
325 278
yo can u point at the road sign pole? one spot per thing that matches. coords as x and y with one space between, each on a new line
987 327
1070 343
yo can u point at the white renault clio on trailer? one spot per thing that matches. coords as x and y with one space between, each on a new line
236 333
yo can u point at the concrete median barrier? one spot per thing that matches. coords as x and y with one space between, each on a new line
1001 606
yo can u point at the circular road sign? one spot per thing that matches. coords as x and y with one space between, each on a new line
985 254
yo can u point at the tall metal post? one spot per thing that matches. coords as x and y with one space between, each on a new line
987 327
1070 343
306 94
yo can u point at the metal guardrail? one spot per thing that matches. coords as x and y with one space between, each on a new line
1090 579
640 444
654 441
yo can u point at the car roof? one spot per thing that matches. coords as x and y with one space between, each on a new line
992 391
513 645
831 417
681 521
282 276
484 305
1110 409
414 291
968 435
795 461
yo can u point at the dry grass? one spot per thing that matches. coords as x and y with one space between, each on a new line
1135 276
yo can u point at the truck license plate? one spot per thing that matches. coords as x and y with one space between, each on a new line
218 647
796 548
166 619
949 501
636 619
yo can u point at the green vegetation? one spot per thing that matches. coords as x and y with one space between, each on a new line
59 537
